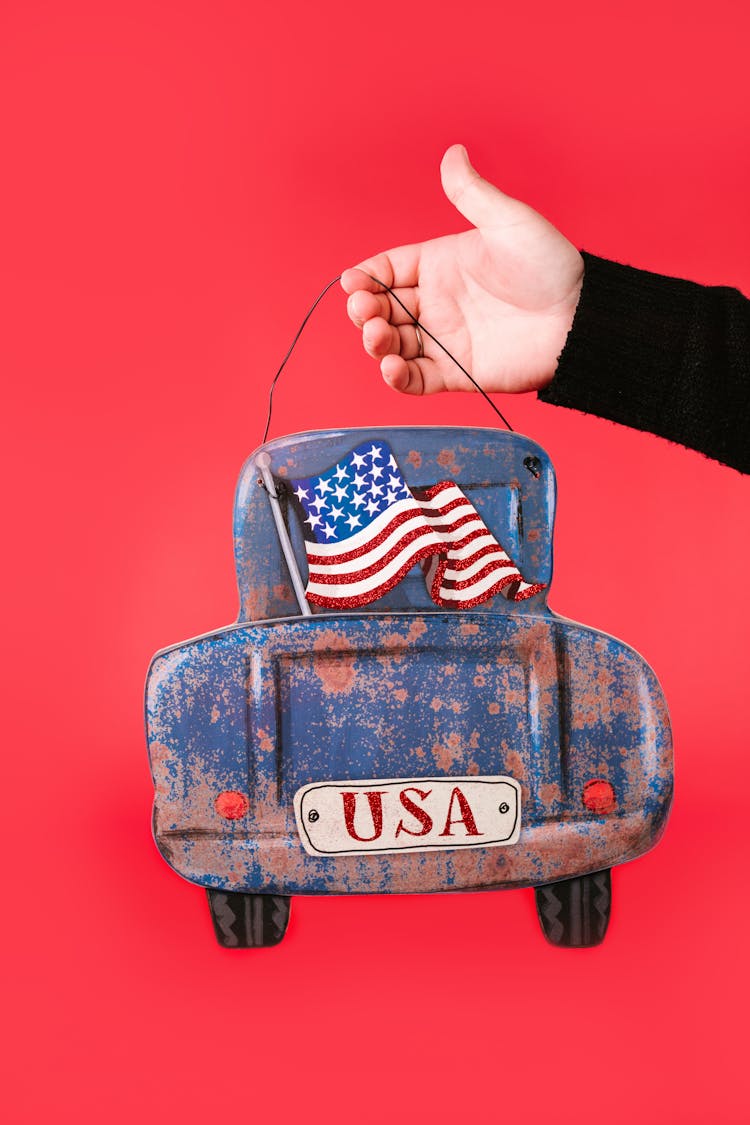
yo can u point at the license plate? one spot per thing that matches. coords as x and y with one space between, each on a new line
403 815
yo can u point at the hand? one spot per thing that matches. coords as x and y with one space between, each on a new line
501 297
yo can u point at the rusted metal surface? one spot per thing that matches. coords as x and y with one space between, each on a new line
240 720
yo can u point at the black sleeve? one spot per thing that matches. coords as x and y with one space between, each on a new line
663 355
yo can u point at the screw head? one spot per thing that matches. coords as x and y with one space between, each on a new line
504 807
313 815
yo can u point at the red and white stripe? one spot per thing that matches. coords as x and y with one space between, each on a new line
466 563
473 566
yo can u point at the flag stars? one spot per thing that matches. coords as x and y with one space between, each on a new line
345 499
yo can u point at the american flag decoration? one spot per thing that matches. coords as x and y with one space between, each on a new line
365 528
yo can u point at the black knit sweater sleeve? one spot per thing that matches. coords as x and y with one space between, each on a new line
663 355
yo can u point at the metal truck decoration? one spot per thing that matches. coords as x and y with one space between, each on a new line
397 709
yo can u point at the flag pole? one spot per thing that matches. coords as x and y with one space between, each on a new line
263 462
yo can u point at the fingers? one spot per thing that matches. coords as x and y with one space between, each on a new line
388 332
407 371
396 346
403 375
356 279
380 338
398 268
362 306
412 376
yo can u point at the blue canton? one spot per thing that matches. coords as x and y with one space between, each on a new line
346 499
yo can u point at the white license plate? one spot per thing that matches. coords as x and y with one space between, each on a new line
403 815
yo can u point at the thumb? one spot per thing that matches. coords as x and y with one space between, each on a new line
478 201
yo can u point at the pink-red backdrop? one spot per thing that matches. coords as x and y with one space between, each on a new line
180 179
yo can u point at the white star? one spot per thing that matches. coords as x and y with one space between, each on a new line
391 496
340 492
358 500
341 473
336 513
376 489
359 460
323 486
319 502
372 507
330 532
375 451
300 493
313 520
395 481
353 521
377 471
392 462
359 480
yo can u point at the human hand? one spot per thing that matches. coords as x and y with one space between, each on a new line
501 297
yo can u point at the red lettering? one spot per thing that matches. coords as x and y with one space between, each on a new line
375 800
466 818
421 815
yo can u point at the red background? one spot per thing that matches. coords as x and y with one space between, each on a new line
180 180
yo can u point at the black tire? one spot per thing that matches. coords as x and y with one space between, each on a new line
248 921
574 913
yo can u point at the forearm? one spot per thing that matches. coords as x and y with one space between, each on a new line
662 355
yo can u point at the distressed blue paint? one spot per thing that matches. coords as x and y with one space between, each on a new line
404 689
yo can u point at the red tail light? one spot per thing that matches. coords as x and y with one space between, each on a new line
231 805
599 796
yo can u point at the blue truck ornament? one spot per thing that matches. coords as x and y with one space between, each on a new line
397 710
